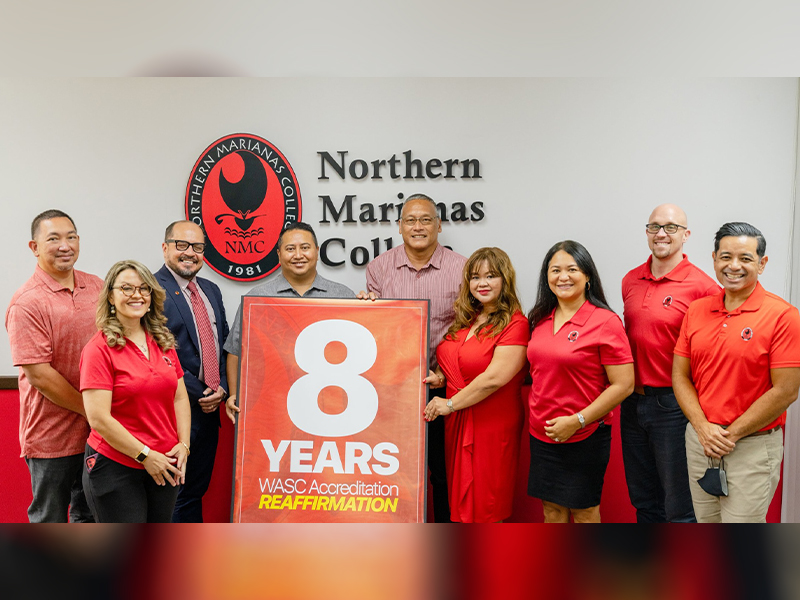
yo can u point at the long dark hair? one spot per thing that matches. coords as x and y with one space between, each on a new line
546 300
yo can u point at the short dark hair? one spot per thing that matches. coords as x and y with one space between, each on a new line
171 227
738 229
424 198
53 213
546 300
302 227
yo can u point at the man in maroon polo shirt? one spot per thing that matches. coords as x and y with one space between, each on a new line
656 296
49 320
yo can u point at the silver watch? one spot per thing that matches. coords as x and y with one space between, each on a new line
581 420
450 405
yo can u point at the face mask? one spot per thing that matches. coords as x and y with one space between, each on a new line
715 481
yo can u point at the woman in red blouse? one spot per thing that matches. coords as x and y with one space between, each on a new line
482 359
136 403
581 367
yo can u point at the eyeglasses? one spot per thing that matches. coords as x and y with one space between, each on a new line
411 221
668 228
181 245
128 289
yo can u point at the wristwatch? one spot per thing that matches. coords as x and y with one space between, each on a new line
581 420
450 405
139 458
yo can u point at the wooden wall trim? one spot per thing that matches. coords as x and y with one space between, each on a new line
9 383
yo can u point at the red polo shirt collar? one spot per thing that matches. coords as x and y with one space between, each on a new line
46 279
753 302
679 273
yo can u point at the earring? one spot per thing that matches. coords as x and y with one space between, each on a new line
588 285
113 309
148 309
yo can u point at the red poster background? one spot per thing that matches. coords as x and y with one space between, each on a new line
268 369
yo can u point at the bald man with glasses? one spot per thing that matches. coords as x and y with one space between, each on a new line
656 296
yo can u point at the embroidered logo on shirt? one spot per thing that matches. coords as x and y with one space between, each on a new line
747 334
90 462
573 336
667 302
167 360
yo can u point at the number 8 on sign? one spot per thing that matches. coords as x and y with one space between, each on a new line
362 397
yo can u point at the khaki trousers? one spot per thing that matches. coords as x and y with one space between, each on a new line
753 470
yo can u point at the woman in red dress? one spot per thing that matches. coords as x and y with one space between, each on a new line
482 359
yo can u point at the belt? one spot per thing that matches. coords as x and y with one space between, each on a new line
767 432
653 391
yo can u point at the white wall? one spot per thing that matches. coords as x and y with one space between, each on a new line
585 159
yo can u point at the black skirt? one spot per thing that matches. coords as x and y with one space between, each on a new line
570 474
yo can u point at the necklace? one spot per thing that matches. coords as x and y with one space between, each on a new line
142 347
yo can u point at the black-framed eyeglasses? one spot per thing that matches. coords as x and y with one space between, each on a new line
181 245
411 221
668 228
128 289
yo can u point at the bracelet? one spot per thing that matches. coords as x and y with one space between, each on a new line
188 452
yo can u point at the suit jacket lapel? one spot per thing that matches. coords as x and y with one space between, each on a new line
174 292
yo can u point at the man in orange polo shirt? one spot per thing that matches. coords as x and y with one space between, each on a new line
735 372
49 320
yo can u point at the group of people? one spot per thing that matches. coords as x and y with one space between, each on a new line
703 374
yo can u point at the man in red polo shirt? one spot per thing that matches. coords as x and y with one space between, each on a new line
49 320
656 296
736 370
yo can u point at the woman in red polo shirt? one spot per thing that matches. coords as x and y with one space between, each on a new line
136 403
582 367
482 358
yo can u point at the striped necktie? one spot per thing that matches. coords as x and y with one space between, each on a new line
207 343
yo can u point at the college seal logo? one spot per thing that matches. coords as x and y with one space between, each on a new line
573 336
667 302
242 191
747 334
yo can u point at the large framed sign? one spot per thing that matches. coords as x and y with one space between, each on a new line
331 399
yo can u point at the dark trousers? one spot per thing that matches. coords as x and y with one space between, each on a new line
120 494
654 453
58 490
199 467
437 465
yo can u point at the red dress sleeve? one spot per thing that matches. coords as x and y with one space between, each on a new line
516 333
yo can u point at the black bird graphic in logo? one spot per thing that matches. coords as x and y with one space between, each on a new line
246 195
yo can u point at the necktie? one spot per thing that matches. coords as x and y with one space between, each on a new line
208 347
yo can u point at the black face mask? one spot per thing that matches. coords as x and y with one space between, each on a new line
715 481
